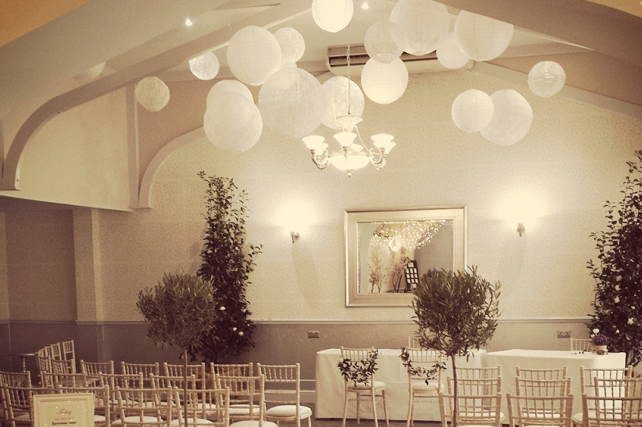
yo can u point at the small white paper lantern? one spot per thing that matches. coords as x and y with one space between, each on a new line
481 38
228 85
205 66
335 90
449 55
511 120
233 122
253 54
546 78
384 83
152 93
332 15
384 41
292 44
423 23
291 102
472 110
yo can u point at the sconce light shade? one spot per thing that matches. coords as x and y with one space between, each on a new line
423 23
384 41
511 120
232 122
152 93
481 38
335 90
332 15
253 55
472 110
291 102
449 55
205 66
546 78
225 86
384 83
292 44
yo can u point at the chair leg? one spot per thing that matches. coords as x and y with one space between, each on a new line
374 408
358 412
310 421
385 406
409 419
345 408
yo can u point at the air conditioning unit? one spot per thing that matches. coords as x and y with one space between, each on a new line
337 61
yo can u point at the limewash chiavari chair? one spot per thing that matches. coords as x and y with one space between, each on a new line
115 381
541 374
145 368
529 387
18 404
283 394
420 387
18 379
63 366
144 407
205 407
587 384
474 410
540 410
92 369
618 403
581 345
413 342
247 396
66 380
102 407
54 351
68 351
490 372
232 370
176 370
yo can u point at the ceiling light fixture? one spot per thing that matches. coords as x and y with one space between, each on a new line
188 22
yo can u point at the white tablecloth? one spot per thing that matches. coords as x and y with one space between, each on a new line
548 359
330 386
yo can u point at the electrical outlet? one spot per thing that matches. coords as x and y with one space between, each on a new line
313 334
563 334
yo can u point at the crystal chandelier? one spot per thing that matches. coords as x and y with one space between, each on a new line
352 155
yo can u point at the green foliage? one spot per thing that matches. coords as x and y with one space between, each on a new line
179 310
420 371
618 270
226 265
359 371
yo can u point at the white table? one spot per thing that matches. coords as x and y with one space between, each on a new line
550 359
330 386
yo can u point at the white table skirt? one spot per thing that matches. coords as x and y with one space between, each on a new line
330 386
549 359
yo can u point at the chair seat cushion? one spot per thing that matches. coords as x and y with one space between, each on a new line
379 385
24 416
135 419
252 423
422 387
99 418
190 422
579 417
288 411
243 410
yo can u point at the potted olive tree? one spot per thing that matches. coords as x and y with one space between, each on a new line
456 312
180 312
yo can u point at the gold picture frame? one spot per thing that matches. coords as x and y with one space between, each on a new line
381 243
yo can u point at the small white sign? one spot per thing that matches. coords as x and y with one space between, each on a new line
63 410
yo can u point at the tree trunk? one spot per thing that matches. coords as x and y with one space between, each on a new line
185 388
455 407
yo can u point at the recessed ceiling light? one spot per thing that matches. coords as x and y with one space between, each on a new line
188 22
365 5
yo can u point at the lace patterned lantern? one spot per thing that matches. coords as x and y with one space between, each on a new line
152 93
512 118
481 38
384 41
335 90
253 54
546 78
423 23
292 44
384 83
472 110
205 66
233 122
332 15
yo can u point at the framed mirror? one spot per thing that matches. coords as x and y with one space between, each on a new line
388 251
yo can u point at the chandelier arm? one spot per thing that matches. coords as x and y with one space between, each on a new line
322 160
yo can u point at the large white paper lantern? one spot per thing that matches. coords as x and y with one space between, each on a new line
292 44
233 122
336 91
384 83
384 41
152 93
511 120
253 54
228 85
424 24
449 55
205 66
332 15
481 38
546 78
472 110
291 102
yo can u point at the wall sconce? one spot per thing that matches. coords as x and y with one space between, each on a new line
295 236
522 207
520 229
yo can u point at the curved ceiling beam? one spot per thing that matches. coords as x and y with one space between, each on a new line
161 62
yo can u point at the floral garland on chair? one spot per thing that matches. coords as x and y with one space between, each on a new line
430 374
361 370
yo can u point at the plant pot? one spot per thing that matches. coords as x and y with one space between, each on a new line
600 349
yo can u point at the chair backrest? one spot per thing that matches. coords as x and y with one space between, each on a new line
145 406
622 387
282 384
16 379
121 380
63 366
540 410
248 391
54 351
17 401
413 342
535 388
233 370
50 379
588 375
352 357
145 368
176 370
423 364
581 345
479 373
211 404
43 360
92 369
68 351
541 374
102 404
472 409
165 381
612 411
475 386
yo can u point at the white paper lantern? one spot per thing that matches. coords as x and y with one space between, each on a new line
384 41
546 78
472 110
332 15
423 23
384 83
233 122
481 38
292 44
253 54
291 102
335 90
205 66
511 120
228 85
152 93
91 73
449 55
